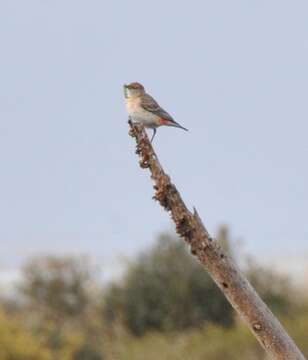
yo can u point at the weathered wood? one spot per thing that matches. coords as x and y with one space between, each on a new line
221 267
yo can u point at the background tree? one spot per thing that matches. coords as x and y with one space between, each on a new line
58 287
62 296
274 288
165 289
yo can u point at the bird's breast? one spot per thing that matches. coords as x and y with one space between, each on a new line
138 114
132 105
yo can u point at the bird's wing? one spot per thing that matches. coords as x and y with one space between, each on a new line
149 104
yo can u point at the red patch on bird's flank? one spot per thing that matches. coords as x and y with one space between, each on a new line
163 121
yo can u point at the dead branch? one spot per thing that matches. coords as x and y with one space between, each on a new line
244 299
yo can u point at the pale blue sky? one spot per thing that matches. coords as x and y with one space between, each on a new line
234 72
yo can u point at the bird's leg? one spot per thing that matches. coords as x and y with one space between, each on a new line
154 133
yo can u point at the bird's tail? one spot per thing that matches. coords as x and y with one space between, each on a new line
175 124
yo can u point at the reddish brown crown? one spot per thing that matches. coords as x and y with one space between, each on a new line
135 85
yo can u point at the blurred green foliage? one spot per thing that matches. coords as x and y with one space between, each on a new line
212 342
166 289
58 287
165 305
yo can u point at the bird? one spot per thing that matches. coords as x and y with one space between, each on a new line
142 108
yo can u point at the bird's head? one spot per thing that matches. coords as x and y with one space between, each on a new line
133 90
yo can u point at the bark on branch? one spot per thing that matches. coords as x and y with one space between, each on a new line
260 320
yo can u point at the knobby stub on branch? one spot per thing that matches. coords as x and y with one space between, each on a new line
221 267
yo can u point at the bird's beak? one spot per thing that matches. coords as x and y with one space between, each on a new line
125 90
